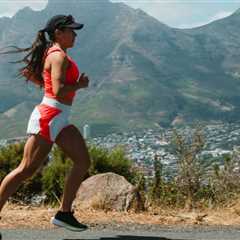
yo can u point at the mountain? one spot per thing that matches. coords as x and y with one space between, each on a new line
143 73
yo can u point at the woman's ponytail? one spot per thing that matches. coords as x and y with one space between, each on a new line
34 58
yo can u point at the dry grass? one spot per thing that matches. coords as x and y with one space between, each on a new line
17 216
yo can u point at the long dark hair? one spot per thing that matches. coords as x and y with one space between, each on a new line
34 58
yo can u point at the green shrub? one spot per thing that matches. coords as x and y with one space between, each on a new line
51 179
10 158
54 175
114 161
102 161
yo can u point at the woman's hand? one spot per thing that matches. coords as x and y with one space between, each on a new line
83 81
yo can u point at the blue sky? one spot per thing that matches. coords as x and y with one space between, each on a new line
175 13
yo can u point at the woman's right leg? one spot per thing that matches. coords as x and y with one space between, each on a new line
36 150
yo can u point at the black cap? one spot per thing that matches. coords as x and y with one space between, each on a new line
62 21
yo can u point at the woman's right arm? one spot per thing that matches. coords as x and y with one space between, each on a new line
59 64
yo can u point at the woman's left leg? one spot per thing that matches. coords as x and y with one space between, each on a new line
73 145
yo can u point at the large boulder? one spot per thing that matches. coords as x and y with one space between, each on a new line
109 191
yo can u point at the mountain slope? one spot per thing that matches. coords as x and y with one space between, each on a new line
143 73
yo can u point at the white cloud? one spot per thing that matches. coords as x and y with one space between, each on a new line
10 7
6 14
217 16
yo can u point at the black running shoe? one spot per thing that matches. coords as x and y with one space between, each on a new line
67 220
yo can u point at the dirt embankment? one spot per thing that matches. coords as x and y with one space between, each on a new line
22 216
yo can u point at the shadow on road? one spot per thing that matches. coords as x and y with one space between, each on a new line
126 237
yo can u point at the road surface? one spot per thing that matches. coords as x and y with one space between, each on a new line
160 233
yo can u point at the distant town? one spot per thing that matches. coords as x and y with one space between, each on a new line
143 147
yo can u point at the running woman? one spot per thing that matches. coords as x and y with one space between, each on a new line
48 65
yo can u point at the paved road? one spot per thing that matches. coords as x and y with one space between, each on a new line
105 234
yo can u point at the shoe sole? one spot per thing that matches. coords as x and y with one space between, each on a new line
65 225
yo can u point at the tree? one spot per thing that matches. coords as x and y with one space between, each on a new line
157 181
226 179
188 149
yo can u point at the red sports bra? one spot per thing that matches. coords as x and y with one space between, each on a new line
72 75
